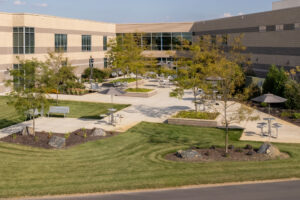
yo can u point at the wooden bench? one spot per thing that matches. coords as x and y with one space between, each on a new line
59 110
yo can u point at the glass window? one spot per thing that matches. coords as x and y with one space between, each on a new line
61 42
105 63
147 41
23 40
271 28
156 41
176 41
104 43
86 43
166 41
289 27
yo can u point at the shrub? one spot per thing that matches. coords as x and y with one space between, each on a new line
98 74
67 135
197 115
251 92
275 81
296 116
50 135
292 94
14 136
286 114
263 104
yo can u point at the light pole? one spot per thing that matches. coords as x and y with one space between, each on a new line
91 64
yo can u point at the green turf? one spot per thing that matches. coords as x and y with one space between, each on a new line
133 160
8 115
140 90
196 115
123 80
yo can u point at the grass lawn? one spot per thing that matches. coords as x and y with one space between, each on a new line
197 115
8 115
141 90
133 160
123 80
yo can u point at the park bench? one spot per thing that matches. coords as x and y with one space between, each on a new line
59 110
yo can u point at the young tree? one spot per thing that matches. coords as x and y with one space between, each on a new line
60 74
202 54
29 90
126 53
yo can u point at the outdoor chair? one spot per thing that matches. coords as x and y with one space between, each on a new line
277 126
262 126
125 84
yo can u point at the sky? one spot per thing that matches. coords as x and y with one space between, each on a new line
138 11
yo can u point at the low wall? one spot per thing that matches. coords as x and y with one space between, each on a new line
193 122
141 94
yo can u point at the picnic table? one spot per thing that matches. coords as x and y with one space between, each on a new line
269 119
111 113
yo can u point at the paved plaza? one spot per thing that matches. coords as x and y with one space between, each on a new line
156 109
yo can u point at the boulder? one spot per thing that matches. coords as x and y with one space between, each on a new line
188 154
27 131
97 132
57 142
269 149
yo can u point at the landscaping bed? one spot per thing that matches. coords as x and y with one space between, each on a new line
218 155
140 92
192 118
196 115
42 139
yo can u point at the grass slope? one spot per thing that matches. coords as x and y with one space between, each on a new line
9 116
134 160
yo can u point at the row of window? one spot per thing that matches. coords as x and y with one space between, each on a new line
162 41
24 41
282 27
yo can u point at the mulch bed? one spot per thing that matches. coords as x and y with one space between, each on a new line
41 139
218 154
276 111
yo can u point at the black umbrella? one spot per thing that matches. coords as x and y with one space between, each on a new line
269 98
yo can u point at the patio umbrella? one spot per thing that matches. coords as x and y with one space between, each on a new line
113 92
269 98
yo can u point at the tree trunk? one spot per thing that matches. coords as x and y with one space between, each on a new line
33 124
136 78
226 124
57 96
195 100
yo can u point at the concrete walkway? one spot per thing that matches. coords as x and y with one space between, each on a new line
157 109
153 109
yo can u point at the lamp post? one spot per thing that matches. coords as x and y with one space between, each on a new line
91 64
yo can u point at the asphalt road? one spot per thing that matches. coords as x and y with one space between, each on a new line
264 191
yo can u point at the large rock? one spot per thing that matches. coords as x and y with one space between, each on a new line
57 142
188 154
97 132
269 149
27 131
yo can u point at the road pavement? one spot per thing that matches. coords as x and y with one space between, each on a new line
289 190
